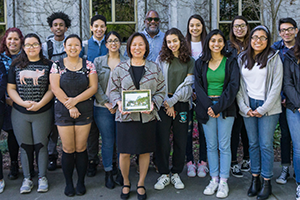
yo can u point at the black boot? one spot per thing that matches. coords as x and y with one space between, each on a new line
14 170
265 191
119 178
115 168
255 186
109 180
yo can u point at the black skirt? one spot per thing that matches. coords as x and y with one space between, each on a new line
136 137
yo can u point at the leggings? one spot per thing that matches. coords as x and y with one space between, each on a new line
32 131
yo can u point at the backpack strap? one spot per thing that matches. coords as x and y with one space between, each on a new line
50 49
85 45
61 64
84 68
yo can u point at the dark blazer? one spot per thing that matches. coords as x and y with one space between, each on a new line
226 103
291 81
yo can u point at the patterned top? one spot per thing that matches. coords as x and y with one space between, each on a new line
89 65
32 83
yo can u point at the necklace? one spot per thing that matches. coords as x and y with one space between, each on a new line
74 67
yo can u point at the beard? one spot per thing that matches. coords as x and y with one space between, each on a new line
152 31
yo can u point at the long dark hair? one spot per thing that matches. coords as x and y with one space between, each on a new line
22 59
261 58
235 43
167 55
297 47
3 47
206 55
188 34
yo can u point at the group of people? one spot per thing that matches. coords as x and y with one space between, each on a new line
243 85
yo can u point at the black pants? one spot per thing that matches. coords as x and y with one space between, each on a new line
285 140
93 143
189 144
237 128
180 130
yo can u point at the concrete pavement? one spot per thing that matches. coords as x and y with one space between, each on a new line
193 188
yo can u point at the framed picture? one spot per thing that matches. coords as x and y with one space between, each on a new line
136 100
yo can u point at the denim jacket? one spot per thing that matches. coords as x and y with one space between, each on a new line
153 79
103 71
272 101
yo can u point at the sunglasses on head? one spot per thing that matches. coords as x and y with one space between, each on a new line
149 19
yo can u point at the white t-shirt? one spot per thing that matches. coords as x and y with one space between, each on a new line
255 80
196 49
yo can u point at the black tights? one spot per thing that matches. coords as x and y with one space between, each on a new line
13 146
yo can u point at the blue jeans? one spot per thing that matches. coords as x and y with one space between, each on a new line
260 133
107 126
218 133
293 120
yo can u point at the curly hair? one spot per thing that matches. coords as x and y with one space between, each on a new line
59 15
3 47
22 60
167 55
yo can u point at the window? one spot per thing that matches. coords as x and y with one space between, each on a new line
121 15
2 17
228 9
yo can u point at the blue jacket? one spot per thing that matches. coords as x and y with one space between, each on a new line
279 45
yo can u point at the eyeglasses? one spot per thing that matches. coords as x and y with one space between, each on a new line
113 41
261 38
290 29
241 26
34 45
149 19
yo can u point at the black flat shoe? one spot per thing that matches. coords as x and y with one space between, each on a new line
123 195
141 196
69 190
80 189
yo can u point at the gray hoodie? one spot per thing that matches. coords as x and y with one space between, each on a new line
272 101
58 48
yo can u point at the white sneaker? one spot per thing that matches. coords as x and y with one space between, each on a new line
162 181
191 169
202 170
298 193
222 190
211 188
2 186
176 181
26 187
43 184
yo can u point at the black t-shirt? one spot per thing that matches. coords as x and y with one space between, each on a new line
137 74
32 83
